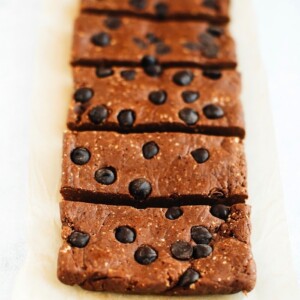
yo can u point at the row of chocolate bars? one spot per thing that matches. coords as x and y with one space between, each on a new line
154 172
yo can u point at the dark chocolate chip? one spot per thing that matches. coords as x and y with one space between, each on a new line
182 250
98 114
101 39
192 46
145 255
190 96
152 38
189 116
103 72
140 43
162 49
215 31
140 189
158 97
128 75
201 235
154 70
161 10
220 211
151 66
201 251
213 111
125 234
149 60
113 23
126 118
106 176
208 47
212 74
200 155
80 156
83 95
211 4
150 150
183 78
189 277
79 109
78 239
174 213
216 193
138 4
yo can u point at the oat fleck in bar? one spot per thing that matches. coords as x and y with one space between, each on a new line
189 43
159 169
182 100
189 250
211 10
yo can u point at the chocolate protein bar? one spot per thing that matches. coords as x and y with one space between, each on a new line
158 169
197 44
211 10
182 100
189 250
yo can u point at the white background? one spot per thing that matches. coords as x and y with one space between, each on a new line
278 24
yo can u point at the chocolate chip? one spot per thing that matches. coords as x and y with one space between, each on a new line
138 4
212 74
78 109
113 23
83 95
212 111
151 66
190 96
211 4
208 47
161 10
220 211
200 155
158 97
101 39
150 149
149 60
201 235
78 239
201 251
174 213
154 70
189 116
152 38
140 43
162 49
80 156
189 277
215 31
128 75
140 188
103 72
192 46
125 235
106 176
182 250
98 114
145 255
183 78
126 117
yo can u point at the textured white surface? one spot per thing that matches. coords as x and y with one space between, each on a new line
20 22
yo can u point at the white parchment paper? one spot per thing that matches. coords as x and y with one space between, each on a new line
53 88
